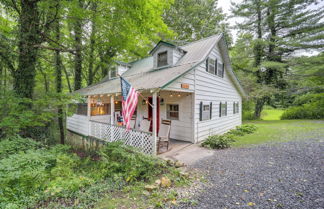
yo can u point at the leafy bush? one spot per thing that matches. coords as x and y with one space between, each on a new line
312 108
32 175
218 141
225 140
243 129
126 162
15 144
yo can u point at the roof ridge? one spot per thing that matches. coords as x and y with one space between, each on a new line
203 39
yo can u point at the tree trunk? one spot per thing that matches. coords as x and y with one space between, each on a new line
28 36
259 107
58 70
78 51
92 46
258 46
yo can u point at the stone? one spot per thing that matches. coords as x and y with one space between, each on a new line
158 182
178 164
165 182
146 193
151 187
184 174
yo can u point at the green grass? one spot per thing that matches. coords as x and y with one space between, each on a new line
271 114
280 131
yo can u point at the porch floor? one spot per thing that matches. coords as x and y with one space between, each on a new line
175 145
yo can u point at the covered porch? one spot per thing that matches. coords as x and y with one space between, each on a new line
100 117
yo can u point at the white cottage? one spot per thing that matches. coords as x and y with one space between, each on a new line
192 85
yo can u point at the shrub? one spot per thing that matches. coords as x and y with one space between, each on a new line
243 129
15 144
311 110
218 141
124 161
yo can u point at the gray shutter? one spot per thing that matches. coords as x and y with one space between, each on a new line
223 70
225 108
207 64
220 109
234 108
211 110
200 111
216 67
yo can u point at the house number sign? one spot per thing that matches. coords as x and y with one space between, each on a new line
185 86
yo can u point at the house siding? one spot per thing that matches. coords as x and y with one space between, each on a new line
212 88
78 124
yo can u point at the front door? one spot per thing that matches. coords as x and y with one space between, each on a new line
150 115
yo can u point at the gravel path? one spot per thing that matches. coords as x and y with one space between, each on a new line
282 175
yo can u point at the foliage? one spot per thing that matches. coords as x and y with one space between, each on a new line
218 141
310 106
15 118
124 161
194 20
36 175
243 129
17 144
225 140
271 32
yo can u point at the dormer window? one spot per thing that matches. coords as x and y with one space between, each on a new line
162 59
113 73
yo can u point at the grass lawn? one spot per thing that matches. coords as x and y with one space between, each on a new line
271 114
280 131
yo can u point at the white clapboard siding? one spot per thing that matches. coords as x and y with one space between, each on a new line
180 129
78 124
188 78
212 88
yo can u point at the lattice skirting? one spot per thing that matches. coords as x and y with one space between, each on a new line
108 132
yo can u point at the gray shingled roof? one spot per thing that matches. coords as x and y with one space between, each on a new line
142 76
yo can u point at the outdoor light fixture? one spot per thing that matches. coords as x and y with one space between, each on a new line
179 95
161 101
116 102
171 95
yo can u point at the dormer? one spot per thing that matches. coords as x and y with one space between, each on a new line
166 54
118 68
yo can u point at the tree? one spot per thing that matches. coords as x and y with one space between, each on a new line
288 26
194 20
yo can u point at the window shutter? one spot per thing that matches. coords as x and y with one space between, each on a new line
234 108
238 108
211 110
207 64
223 70
201 110
220 109
216 67
225 108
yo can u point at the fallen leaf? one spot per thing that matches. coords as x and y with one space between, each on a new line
251 203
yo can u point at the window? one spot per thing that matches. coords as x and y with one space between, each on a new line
235 107
113 73
162 59
205 111
222 109
220 69
173 111
82 109
100 109
210 66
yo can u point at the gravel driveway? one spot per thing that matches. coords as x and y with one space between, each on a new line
282 175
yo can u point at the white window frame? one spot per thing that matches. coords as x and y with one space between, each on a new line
168 112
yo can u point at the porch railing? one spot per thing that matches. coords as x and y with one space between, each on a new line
108 132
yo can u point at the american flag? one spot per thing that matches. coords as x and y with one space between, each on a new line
129 101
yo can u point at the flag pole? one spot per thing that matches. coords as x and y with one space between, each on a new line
140 94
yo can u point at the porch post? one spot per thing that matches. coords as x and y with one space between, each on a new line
154 109
112 109
89 114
